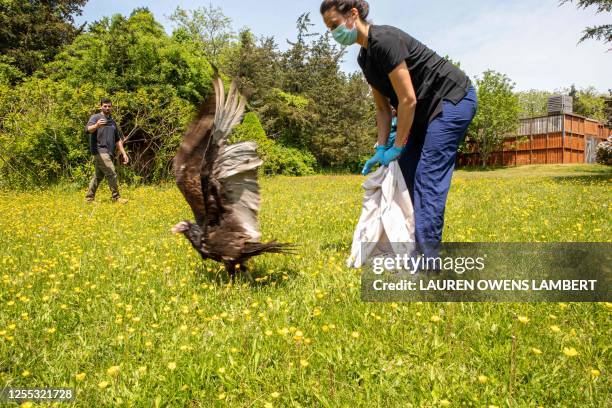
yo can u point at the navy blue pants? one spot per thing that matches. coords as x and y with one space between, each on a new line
427 164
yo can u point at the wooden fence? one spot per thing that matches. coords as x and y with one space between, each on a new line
564 138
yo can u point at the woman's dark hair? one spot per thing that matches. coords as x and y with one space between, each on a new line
343 6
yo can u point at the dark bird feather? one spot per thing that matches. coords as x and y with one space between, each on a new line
219 182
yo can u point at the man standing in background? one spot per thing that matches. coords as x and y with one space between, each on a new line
103 137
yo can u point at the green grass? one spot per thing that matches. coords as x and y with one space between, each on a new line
88 287
537 170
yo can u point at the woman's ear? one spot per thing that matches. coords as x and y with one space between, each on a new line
354 17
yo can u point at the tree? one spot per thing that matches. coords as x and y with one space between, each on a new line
497 116
533 103
32 32
296 76
125 54
588 102
602 32
255 63
455 63
208 27
153 81
346 127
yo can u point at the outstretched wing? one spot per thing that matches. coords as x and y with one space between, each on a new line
188 159
230 181
219 181
236 170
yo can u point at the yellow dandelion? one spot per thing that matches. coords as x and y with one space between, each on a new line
184 387
570 351
25 373
436 319
142 369
595 373
221 396
80 377
102 384
536 351
221 370
555 328
304 363
113 371
51 330
325 328
275 394
483 379
268 405
523 319
171 366
355 334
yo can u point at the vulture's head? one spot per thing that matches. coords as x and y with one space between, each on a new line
192 232
181 227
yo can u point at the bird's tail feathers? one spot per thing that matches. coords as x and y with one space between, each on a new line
257 248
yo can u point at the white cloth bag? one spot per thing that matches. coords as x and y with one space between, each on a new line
386 224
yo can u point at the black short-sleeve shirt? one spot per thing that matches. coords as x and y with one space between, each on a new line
103 140
434 78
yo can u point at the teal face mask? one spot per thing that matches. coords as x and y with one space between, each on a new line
345 36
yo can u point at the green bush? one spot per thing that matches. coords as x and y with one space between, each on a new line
41 135
153 82
278 159
8 73
604 152
289 161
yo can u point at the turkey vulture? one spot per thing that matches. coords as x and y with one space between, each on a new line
219 182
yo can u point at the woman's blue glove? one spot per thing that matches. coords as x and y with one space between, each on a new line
390 155
377 158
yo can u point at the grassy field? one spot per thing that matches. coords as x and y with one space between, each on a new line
105 299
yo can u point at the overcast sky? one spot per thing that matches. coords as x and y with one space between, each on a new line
534 42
